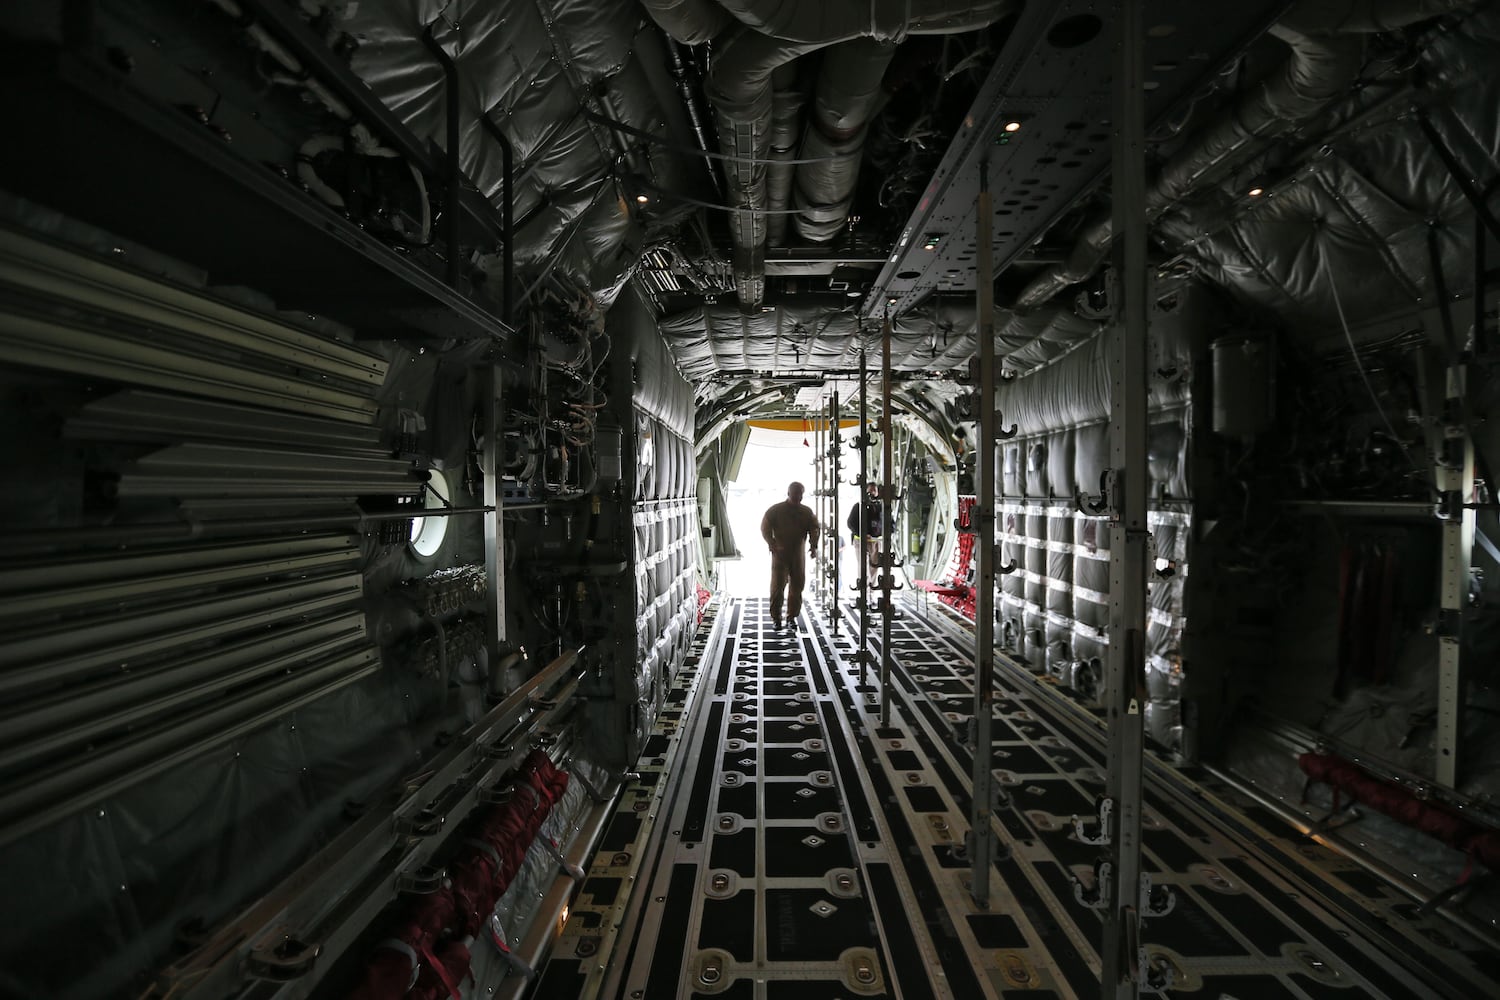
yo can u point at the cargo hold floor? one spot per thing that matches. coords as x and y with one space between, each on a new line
782 844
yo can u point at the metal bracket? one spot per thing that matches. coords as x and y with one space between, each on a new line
496 750
1334 820
1156 901
1156 977
1005 435
1097 896
1453 895
421 881
1106 807
968 846
422 823
569 869
1100 504
588 787
496 796
497 938
286 960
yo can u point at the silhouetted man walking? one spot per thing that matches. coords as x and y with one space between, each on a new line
786 526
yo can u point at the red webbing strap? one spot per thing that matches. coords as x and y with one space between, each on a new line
440 970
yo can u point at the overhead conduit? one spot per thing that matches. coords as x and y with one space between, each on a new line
848 95
787 101
740 87
1323 63
825 23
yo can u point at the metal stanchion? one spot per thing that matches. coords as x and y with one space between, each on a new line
980 841
1125 896
836 453
862 442
820 507
887 501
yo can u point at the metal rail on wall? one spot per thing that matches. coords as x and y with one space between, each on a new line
326 904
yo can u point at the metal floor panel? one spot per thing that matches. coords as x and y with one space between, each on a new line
781 844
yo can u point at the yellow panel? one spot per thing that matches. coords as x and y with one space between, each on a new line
799 425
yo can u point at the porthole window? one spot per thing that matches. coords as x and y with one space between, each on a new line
427 533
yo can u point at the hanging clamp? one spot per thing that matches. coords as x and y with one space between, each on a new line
1102 503
283 961
1155 901
1004 435
1096 896
422 823
421 881
498 939
568 868
1106 808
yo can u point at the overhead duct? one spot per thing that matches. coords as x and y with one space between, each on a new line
825 23
787 99
1321 68
1368 16
691 22
848 95
740 89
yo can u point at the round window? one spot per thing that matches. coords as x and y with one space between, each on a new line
427 532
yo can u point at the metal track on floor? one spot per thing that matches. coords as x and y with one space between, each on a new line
794 848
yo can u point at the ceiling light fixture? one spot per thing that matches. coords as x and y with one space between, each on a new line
1256 191
642 199
1013 126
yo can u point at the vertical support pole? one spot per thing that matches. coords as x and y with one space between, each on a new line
1480 344
981 520
837 448
494 520
863 444
826 572
451 154
1124 688
1455 483
831 484
819 505
887 505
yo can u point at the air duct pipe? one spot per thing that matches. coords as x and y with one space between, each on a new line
848 96
1366 16
691 22
1321 68
740 88
826 23
787 99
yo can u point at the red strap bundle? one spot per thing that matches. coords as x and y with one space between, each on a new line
436 925
963 596
1436 820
